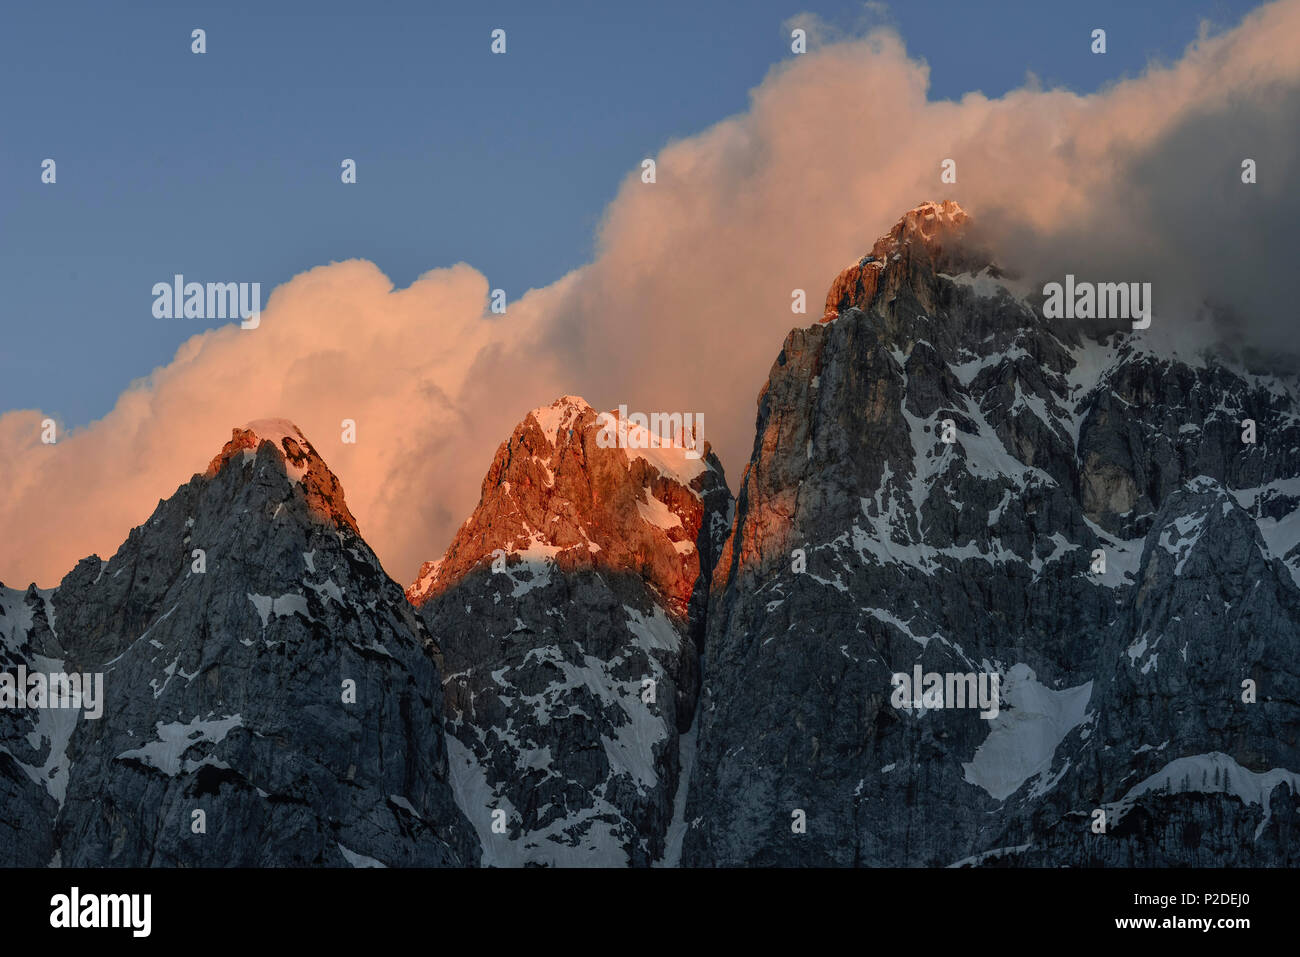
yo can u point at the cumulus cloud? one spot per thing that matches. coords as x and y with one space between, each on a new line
687 300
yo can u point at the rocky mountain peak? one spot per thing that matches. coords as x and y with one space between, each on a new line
930 229
257 664
573 488
302 465
929 224
570 608
559 417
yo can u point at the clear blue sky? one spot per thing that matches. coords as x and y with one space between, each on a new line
226 166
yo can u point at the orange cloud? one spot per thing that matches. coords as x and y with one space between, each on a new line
684 307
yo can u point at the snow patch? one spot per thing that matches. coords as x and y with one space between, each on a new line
1025 733
1213 773
358 860
175 739
559 416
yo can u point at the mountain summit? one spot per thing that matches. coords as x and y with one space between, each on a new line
569 607
930 233
272 700
297 457
555 496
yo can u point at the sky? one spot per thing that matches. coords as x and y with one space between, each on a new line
225 166
520 171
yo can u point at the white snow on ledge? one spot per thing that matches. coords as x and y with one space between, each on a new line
1213 773
1280 535
1024 736
657 513
559 416
276 431
282 607
1180 537
987 286
176 738
996 854
359 860
653 631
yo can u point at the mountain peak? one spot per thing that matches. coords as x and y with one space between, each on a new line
565 489
559 416
275 429
928 227
927 223
302 465
284 592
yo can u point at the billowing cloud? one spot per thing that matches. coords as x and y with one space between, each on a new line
688 298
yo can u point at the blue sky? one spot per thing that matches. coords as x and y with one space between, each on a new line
226 166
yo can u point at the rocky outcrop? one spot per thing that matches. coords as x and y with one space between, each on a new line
1190 771
567 607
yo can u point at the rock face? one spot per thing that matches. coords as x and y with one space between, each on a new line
278 683
864 544
33 742
568 608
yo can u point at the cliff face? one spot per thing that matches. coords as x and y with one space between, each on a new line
568 608
864 544
33 742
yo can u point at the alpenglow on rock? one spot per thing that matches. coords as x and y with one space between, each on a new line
1096 533
568 608
230 735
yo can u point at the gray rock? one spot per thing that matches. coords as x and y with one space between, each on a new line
33 774
976 556
225 688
